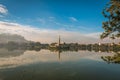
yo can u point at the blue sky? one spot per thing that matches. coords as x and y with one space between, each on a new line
83 17
73 15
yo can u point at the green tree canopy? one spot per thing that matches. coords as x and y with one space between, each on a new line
112 24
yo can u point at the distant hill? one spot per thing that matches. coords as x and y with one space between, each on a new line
4 38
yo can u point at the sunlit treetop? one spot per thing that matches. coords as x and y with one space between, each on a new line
112 26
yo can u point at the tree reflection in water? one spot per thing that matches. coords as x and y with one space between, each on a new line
112 59
16 51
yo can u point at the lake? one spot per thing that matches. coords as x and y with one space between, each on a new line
47 65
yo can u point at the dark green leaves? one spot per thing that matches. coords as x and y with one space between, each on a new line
112 26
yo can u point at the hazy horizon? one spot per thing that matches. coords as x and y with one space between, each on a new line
44 20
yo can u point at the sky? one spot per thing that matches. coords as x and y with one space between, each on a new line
44 20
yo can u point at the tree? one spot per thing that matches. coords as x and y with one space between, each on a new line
112 26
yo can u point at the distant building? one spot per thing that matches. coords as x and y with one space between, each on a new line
56 44
99 43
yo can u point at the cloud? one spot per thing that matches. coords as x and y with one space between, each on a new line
73 19
3 9
51 17
54 23
46 35
42 21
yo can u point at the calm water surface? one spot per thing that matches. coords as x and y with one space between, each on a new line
46 65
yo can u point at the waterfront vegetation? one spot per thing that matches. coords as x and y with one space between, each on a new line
112 29
112 24
65 46
21 59
37 46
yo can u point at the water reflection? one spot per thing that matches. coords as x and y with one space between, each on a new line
57 64
10 53
112 59
14 58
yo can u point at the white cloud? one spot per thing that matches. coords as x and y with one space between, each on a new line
95 35
3 9
46 35
73 19
42 21
51 17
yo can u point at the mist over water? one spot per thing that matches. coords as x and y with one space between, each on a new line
59 40
56 65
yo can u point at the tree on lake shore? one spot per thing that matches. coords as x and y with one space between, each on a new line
112 24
